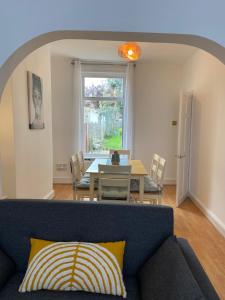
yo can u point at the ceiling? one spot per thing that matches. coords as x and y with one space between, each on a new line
107 50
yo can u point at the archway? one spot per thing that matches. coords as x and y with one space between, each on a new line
192 40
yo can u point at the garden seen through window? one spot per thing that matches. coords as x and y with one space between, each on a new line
103 113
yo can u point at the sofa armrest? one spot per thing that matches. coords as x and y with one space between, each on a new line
7 268
197 270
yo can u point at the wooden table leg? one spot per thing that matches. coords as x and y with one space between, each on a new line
141 188
92 186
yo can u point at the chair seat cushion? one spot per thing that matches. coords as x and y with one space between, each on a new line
167 276
149 185
10 292
114 192
84 183
86 175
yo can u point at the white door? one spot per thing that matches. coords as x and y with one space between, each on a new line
183 147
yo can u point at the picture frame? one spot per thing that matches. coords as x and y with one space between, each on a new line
35 101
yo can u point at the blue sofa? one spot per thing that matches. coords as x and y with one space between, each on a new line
143 227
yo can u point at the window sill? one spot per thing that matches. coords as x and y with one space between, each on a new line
90 156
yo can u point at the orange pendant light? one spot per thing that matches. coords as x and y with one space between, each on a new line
131 51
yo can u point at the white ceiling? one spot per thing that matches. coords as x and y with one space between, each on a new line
107 50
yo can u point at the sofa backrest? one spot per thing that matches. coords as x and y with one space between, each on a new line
143 227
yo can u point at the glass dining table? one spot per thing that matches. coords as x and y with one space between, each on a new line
138 171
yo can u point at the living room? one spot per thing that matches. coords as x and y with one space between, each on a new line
35 163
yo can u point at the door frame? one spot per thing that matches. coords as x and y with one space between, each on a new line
189 94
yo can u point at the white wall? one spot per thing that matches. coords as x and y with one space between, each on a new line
157 86
7 145
31 150
62 108
205 75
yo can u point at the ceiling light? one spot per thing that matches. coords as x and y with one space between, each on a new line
130 51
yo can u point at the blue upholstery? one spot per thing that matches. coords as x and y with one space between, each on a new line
197 270
83 221
143 227
11 292
7 268
176 285
149 185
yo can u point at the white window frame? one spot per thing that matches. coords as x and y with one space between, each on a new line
122 99
103 75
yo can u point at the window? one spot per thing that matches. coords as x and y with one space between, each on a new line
103 99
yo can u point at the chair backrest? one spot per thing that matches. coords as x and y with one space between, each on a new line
121 152
160 171
114 177
80 156
154 166
75 168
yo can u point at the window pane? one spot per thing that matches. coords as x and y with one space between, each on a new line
103 125
103 87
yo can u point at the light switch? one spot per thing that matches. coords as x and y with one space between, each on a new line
174 123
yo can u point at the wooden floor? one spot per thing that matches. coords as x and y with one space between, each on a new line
190 223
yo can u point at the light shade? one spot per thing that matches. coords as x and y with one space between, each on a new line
131 51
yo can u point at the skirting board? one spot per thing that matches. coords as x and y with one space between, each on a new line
168 181
50 195
62 180
3 197
219 225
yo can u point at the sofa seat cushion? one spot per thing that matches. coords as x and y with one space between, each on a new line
10 292
167 276
149 185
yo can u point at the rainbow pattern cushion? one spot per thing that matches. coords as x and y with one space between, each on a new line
75 266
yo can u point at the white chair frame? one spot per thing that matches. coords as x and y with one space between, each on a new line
80 156
78 193
157 172
114 176
154 166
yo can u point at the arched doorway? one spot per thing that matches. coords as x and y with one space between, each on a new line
192 40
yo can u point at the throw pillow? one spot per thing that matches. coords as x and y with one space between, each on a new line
75 266
166 275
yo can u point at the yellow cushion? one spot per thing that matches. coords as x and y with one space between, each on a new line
75 266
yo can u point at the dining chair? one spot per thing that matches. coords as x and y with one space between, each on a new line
153 183
154 186
151 178
121 152
154 166
160 171
114 182
81 183
80 156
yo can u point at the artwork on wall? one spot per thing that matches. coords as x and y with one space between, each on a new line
35 101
